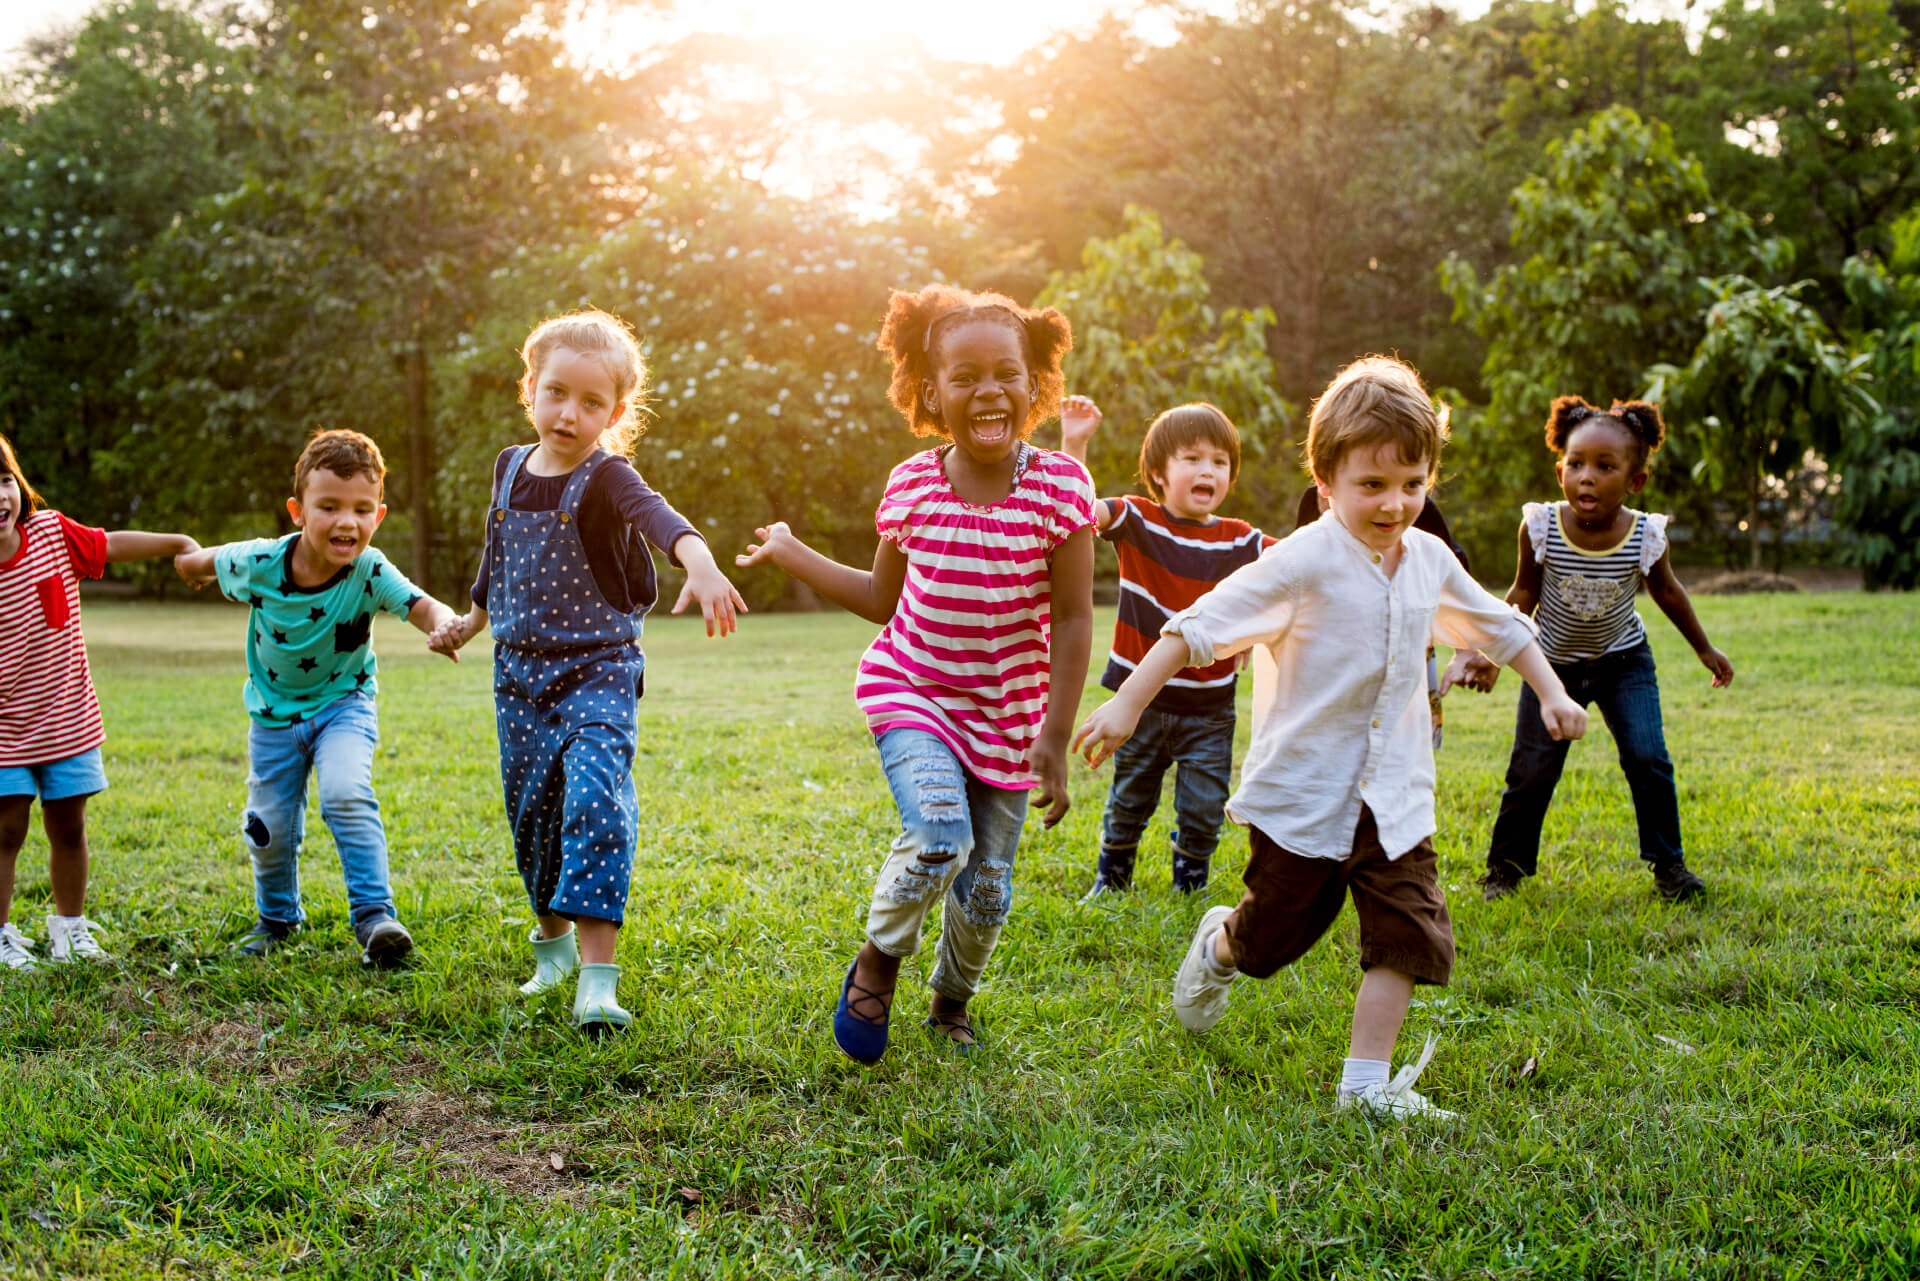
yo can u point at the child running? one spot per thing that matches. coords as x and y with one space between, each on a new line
1581 562
565 583
1173 549
310 688
984 581
51 731
1337 788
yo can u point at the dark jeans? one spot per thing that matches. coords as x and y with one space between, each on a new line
1627 693
1201 745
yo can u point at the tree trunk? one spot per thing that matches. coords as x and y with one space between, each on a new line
1753 517
420 462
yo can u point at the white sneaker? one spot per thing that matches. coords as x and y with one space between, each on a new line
73 941
1199 994
1398 1098
16 949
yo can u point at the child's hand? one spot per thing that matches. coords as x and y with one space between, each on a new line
1079 419
1110 725
449 636
773 539
1564 718
720 603
1719 664
1049 762
195 567
1469 670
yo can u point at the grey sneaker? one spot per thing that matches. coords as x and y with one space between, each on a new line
264 937
1199 994
384 942
16 949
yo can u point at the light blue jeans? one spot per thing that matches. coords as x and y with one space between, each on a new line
958 837
337 745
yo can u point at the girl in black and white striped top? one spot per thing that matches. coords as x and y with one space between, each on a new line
1581 562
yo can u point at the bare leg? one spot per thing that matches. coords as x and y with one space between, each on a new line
1378 1011
14 813
597 939
66 824
952 1016
878 973
552 927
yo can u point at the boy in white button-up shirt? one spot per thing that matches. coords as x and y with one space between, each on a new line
1337 788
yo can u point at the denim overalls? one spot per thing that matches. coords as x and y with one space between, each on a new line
566 682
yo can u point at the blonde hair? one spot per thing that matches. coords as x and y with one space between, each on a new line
609 339
1375 401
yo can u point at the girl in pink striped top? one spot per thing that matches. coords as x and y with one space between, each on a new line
983 579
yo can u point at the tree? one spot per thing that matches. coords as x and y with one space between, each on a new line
1879 458
1766 386
1613 239
1147 338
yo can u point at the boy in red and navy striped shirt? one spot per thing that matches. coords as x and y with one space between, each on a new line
1173 549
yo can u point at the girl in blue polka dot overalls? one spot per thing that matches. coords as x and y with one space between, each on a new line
564 584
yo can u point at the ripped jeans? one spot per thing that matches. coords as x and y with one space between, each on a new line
337 745
957 838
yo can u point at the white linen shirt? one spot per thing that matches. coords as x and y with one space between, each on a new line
1347 723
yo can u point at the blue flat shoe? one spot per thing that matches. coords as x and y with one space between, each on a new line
860 1038
945 1029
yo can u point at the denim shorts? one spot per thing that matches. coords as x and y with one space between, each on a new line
60 780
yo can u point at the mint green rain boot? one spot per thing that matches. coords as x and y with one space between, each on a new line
596 1005
553 961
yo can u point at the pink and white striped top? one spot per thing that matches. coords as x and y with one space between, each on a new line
965 655
46 687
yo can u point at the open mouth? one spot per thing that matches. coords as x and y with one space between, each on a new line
991 429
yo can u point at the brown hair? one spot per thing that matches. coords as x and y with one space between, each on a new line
1638 418
910 334
1374 401
608 339
1180 428
344 453
28 495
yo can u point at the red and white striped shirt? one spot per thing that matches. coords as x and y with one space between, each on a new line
48 710
965 656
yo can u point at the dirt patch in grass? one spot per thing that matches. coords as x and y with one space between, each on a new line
1744 582
458 1136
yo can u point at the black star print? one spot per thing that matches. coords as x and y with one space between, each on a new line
272 676
308 664
411 602
348 637
279 638
262 557
369 589
375 573
296 718
361 678
316 613
256 600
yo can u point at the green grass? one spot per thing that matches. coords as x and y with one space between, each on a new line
180 1114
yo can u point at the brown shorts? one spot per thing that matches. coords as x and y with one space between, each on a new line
1292 900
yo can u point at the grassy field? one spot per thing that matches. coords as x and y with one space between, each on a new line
1721 1091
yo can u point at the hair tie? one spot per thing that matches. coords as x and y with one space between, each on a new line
1579 414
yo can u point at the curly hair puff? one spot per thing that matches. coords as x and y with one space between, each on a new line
915 322
1640 420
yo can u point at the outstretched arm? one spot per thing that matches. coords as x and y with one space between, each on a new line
1070 648
1114 721
1079 419
1674 602
195 565
429 615
870 593
1564 718
134 544
1476 671
720 603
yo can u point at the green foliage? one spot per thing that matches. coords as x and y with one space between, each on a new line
1879 458
1766 386
758 318
1146 337
1613 238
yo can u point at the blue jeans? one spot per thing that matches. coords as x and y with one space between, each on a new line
1625 689
958 837
336 744
1201 746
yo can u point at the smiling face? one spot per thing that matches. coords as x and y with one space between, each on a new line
337 516
11 504
981 390
1599 468
1195 480
1376 495
573 401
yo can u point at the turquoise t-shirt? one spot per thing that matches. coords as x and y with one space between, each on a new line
307 646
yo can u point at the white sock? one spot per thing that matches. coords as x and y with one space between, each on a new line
1357 1074
70 920
1222 973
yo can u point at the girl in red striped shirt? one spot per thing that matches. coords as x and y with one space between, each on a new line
983 581
50 733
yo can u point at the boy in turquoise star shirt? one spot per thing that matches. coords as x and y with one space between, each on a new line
310 686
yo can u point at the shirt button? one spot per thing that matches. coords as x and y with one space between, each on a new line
1376 558
1376 724
1363 787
